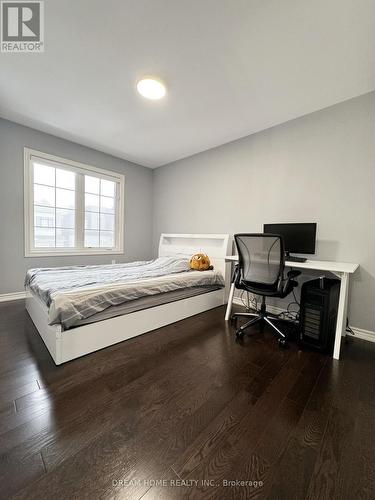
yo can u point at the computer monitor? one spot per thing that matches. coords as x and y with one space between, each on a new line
298 238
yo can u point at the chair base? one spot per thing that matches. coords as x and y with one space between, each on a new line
261 317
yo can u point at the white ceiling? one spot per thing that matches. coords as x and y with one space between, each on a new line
232 67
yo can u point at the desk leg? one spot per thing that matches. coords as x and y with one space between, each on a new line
341 314
230 300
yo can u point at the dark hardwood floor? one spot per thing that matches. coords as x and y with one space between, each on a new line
180 413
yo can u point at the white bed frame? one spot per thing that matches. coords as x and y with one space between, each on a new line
70 344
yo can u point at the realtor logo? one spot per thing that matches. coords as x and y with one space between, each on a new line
22 26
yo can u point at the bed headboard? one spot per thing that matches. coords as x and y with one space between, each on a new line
216 246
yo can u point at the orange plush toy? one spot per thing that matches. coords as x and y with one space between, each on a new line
200 262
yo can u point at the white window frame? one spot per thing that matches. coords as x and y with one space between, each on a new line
30 249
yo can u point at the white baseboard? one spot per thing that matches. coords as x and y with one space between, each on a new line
359 332
363 334
6 297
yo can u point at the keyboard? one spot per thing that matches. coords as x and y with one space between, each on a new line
293 258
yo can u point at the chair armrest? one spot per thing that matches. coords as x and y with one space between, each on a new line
290 276
235 273
293 274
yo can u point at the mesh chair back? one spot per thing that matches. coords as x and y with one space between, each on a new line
261 258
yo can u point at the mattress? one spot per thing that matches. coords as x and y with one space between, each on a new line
77 293
146 303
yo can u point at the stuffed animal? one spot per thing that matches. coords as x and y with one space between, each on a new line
200 262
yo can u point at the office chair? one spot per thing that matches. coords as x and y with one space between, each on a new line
260 270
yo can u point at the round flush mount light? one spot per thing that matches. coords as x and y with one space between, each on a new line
151 88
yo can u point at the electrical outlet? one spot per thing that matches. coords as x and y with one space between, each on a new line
113 261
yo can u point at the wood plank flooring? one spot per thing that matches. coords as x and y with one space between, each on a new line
184 412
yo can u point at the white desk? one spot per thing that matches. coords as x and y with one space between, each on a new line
341 270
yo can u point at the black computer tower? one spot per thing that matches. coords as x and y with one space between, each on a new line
318 314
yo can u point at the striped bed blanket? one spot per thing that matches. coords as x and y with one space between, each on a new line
78 292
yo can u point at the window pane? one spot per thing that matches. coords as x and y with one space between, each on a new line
91 184
65 179
107 205
91 238
44 175
107 239
92 202
44 237
65 238
107 188
62 196
65 218
44 195
44 216
91 220
107 222
65 198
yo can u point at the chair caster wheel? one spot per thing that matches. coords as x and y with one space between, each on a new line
282 343
234 320
239 334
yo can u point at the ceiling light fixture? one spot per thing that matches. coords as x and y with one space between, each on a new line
150 88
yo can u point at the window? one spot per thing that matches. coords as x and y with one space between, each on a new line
71 208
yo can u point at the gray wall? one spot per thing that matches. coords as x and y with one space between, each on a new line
320 167
138 203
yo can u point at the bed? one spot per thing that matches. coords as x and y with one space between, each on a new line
66 339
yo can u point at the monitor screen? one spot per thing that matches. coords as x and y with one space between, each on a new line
298 238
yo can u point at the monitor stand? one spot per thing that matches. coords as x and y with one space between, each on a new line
293 258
